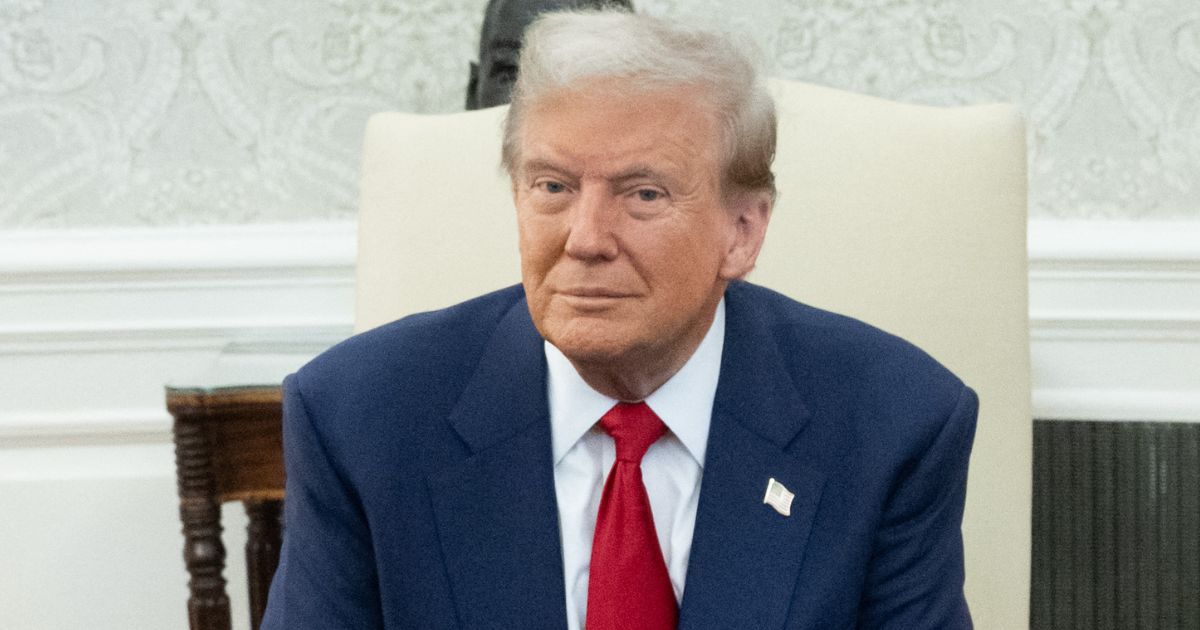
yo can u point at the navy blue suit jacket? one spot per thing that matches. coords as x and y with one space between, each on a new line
420 486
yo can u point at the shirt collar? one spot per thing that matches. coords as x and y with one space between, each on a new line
684 402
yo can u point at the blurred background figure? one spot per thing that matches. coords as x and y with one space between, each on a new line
504 24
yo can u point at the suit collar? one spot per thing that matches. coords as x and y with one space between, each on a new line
756 386
745 557
496 512
511 377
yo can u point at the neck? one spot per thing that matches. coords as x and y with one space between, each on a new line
627 385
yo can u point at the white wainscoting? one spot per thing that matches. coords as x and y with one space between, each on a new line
1115 320
93 324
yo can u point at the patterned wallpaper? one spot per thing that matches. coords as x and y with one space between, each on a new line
162 112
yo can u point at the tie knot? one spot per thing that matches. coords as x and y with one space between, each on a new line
634 427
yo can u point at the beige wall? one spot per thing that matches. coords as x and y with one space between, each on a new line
185 112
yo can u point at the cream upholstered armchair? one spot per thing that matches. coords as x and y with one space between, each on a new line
911 218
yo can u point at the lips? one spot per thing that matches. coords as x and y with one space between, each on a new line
590 292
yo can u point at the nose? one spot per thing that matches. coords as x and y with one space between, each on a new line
592 226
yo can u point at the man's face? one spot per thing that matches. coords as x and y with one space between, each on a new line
626 244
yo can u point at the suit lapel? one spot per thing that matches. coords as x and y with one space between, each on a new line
496 512
745 556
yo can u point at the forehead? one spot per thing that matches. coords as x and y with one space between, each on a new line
606 124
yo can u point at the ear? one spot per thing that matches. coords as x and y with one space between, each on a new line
472 85
750 213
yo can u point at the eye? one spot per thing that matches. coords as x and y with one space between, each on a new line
553 187
646 201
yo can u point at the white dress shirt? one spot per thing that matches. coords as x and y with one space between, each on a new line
671 468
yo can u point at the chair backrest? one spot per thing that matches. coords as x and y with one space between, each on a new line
911 218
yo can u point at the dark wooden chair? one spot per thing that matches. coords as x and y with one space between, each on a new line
228 447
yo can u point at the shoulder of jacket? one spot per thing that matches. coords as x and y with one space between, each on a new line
834 355
418 346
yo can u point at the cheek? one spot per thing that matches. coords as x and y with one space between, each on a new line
694 246
690 266
538 241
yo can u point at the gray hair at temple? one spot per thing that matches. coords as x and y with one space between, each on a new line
563 48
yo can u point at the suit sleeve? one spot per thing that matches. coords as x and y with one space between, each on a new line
915 579
326 577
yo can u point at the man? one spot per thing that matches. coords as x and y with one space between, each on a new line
504 23
634 437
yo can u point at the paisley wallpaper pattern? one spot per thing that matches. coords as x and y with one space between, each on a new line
165 112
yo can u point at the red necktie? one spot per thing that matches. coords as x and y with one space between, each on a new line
628 584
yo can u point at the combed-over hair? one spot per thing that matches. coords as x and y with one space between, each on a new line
562 48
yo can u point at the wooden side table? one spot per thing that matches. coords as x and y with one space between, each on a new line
229 447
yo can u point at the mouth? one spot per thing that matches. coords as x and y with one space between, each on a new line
596 300
597 293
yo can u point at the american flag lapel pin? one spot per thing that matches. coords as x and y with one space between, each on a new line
779 497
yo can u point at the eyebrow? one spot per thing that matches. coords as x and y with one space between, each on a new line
637 171
545 165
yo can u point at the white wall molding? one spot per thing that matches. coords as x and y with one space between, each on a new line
163 335
146 425
1127 326
1115 320
100 254
94 323
1125 245
1116 405
118 282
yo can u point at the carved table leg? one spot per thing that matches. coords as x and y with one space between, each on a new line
208 605
262 553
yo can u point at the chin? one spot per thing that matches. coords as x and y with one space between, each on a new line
588 351
589 344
